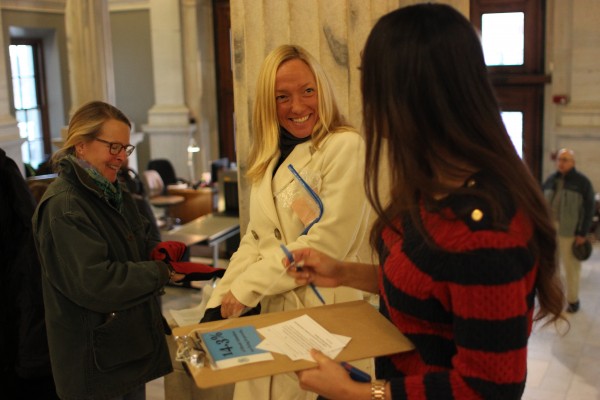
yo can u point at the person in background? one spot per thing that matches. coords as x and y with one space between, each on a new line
100 285
26 371
296 122
571 198
133 183
467 244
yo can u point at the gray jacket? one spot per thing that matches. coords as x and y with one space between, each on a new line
576 202
104 321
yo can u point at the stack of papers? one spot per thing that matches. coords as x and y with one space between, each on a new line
296 337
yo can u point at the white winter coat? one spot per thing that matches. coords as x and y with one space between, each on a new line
277 205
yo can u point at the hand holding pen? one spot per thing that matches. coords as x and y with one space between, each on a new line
313 267
298 268
330 378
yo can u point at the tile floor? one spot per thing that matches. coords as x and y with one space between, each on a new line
567 366
561 366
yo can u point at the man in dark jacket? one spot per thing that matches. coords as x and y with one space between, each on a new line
571 197
26 371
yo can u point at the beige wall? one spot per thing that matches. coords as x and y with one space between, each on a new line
573 61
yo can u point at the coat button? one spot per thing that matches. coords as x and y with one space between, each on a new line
476 215
254 235
277 234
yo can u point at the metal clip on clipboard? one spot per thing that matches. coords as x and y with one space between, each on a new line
190 350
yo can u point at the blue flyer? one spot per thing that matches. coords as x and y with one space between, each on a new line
235 346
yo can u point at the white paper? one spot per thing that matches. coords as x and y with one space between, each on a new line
190 316
296 337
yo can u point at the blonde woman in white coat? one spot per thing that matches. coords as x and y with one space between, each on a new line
296 121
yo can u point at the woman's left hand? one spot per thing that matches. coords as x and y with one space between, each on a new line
331 380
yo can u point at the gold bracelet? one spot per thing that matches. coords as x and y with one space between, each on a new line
378 390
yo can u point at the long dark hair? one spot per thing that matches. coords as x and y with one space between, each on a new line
428 106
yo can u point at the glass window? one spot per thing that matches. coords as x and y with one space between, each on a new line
513 121
28 113
503 38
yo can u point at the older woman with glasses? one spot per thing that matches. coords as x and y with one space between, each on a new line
105 330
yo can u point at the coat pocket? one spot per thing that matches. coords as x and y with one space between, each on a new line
126 336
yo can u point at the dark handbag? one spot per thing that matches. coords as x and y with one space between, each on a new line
583 251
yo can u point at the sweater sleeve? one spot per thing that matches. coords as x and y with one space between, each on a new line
246 254
589 205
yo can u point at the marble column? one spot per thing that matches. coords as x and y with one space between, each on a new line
10 139
89 45
200 79
168 120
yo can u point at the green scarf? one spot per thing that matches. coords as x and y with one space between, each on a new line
112 192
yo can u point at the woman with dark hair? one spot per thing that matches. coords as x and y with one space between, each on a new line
466 244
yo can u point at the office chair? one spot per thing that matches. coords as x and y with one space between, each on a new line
157 197
166 172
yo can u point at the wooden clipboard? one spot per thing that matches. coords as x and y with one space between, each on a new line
372 335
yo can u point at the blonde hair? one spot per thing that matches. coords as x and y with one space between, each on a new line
265 125
85 126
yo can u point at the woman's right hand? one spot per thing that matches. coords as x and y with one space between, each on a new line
313 266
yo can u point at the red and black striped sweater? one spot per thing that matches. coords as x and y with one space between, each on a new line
466 306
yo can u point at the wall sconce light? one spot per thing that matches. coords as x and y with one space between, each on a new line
191 149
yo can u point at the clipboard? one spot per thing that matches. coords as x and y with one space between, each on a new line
372 335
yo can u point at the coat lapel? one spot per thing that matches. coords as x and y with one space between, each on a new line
299 158
269 187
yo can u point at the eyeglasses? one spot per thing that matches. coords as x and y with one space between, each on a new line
115 148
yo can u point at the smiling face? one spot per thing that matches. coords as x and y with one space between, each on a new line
296 98
98 154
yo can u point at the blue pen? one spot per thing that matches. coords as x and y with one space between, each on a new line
290 258
355 373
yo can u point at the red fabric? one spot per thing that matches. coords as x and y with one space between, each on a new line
171 252
186 267
168 251
196 271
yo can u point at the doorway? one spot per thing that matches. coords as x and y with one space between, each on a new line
512 35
